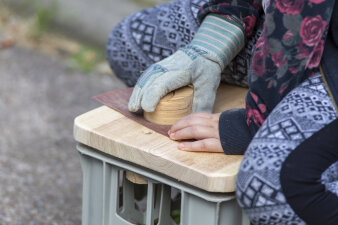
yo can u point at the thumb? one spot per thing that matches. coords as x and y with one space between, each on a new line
204 96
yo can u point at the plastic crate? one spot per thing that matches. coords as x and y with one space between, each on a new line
108 197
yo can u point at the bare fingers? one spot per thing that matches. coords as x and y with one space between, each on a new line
205 145
204 119
202 127
197 132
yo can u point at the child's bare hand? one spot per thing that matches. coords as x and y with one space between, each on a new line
203 127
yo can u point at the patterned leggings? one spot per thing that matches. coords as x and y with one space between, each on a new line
302 113
153 34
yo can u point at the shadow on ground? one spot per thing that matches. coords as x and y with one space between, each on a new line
40 173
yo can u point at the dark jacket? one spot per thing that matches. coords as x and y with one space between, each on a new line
329 61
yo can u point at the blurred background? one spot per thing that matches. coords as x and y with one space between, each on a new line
52 61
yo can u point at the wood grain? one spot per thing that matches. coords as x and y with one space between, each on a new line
111 132
135 178
172 107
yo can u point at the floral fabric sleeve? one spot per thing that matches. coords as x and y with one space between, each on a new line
288 51
244 13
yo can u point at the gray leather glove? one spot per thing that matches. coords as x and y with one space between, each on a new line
200 63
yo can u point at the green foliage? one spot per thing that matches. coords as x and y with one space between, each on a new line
43 17
176 215
86 59
150 3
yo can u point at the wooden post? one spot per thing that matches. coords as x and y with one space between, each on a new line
135 178
172 107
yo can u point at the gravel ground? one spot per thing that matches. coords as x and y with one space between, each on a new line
40 173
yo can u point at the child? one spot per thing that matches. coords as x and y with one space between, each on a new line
289 174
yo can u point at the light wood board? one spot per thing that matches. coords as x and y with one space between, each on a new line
109 131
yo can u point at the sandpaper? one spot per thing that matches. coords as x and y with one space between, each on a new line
118 100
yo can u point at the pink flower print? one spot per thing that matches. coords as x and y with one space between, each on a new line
223 4
254 96
257 4
292 7
282 88
262 44
303 51
258 64
255 115
258 117
316 1
293 70
277 58
262 108
316 55
288 35
249 23
312 29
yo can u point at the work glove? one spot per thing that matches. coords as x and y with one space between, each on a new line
200 63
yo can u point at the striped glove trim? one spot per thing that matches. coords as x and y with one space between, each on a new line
220 37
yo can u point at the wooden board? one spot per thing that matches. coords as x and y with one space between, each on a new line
109 131
229 97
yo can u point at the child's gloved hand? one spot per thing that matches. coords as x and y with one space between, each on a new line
200 63
186 66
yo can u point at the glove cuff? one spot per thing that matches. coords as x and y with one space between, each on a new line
220 38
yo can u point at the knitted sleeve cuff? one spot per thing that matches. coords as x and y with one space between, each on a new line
233 131
221 38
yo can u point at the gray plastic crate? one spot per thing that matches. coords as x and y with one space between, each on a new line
104 181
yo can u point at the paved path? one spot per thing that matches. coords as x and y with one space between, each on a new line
85 19
40 173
